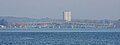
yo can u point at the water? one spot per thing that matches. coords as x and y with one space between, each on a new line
59 30
60 38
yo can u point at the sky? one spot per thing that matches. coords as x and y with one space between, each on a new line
81 9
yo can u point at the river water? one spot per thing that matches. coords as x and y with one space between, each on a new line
59 38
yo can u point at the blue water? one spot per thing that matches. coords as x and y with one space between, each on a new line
60 38
59 30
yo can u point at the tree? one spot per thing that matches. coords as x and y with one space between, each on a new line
118 19
3 22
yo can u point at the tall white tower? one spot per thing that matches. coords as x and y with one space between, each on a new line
67 15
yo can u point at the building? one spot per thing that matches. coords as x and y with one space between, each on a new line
67 15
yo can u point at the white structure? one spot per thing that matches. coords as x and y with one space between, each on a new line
67 15
1 26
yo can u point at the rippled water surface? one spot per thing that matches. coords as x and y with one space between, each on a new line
60 38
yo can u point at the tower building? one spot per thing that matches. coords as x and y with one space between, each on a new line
67 15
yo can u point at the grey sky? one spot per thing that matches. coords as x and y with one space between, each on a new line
81 9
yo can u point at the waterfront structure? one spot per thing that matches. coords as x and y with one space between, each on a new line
1 26
67 15
71 24
67 22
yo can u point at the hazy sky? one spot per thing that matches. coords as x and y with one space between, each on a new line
81 9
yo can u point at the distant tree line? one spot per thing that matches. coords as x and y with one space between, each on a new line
119 20
3 22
